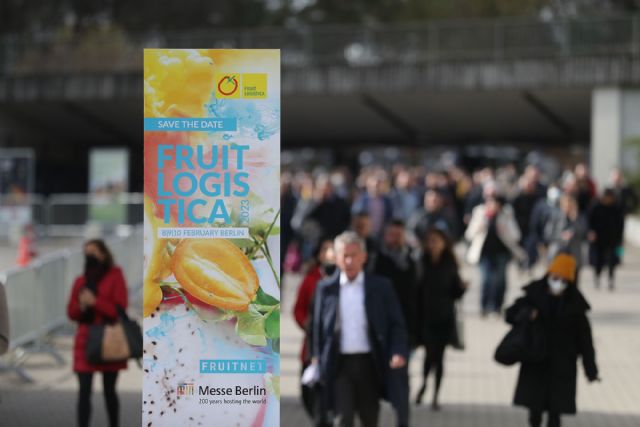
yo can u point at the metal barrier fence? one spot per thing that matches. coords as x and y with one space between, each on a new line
67 214
16 211
360 45
37 295
66 211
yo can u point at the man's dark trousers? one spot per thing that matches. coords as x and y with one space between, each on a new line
357 391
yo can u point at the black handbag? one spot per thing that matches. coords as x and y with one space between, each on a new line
456 339
525 342
114 342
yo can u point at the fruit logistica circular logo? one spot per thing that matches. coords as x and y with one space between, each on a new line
228 85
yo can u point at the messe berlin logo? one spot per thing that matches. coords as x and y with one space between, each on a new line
186 389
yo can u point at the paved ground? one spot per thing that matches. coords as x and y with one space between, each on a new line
476 392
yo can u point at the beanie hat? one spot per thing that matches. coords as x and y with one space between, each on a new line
563 266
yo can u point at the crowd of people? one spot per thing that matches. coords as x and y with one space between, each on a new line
402 225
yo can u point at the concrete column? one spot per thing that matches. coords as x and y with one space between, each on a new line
615 124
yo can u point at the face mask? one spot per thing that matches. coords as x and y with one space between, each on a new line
328 269
557 286
91 261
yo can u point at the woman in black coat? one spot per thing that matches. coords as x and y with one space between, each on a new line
438 289
550 386
606 235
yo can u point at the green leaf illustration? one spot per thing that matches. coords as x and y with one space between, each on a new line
254 199
242 243
263 298
251 328
262 228
275 345
272 324
273 384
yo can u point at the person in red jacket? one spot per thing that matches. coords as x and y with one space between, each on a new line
94 298
323 266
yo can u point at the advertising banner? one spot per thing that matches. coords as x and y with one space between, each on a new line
108 179
17 171
17 167
211 241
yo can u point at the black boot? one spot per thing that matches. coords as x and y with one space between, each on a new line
421 392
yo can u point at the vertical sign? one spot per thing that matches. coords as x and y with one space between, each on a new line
211 241
16 171
17 166
108 180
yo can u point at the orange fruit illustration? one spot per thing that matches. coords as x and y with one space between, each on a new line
216 272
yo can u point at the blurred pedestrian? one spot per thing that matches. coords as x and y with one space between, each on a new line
506 178
606 233
494 236
331 211
288 202
544 212
26 247
323 266
567 232
462 188
307 230
585 186
626 196
394 260
533 176
438 289
475 196
361 225
433 214
403 196
94 299
4 321
359 340
523 205
324 214
550 386
375 202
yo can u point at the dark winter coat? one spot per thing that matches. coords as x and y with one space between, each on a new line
543 213
422 220
437 291
387 334
627 199
607 221
403 277
111 291
333 216
551 385
523 207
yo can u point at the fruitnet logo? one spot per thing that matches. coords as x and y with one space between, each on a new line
236 86
186 389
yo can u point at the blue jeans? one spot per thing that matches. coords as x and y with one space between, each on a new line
493 269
